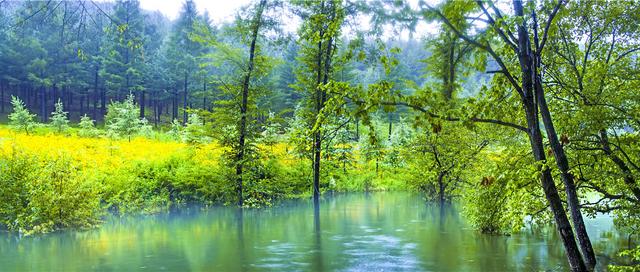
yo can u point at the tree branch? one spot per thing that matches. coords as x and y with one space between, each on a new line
455 119
548 25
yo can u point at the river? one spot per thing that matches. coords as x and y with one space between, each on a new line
390 231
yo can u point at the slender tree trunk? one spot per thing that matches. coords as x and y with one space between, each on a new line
573 200
390 118
317 139
103 103
43 104
174 106
204 94
562 162
357 129
551 193
2 102
160 108
142 105
321 98
449 83
154 106
527 67
242 128
184 104
81 105
94 113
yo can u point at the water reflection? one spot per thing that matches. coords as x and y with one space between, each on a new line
317 252
241 260
354 232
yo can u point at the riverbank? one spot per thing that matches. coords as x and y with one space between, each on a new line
50 181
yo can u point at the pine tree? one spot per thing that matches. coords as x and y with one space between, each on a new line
21 118
59 120
123 118
183 53
123 61
87 127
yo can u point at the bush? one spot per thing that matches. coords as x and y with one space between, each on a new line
45 196
485 206
155 186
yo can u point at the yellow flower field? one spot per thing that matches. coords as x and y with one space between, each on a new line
102 153
105 153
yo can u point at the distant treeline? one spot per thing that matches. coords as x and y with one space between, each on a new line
88 53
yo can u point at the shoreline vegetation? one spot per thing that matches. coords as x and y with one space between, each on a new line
56 181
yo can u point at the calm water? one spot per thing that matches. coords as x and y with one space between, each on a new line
353 232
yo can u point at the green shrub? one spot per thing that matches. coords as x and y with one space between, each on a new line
21 119
59 120
45 196
87 127
485 206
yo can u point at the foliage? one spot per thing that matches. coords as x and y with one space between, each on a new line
59 120
122 119
87 127
21 118
43 196
194 132
176 130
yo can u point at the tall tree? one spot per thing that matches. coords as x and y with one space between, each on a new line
183 53
124 52
517 39
319 34
254 29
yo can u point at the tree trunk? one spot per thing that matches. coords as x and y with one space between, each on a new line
562 163
357 129
174 106
94 113
43 104
142 105
2 96
242 129
551 193
103 103
81 106
390 125
154 106
184 102
159 113
204 94
528 69
321 98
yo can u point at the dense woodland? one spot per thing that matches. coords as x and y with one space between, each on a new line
526 112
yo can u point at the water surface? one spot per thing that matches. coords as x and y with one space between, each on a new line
351 232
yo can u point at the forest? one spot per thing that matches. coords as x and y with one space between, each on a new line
522 117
